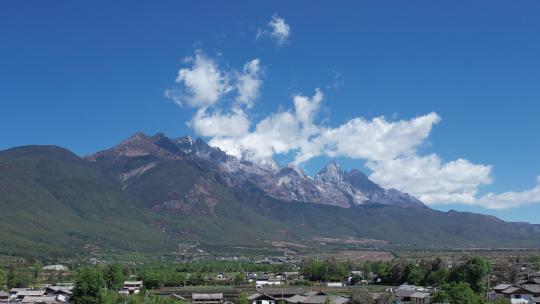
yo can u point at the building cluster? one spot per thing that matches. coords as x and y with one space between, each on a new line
275 288
412 294
273 279
45 295
131 287
402 294
524 291
294 296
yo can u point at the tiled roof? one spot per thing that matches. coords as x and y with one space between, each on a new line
277 292
502 286
36 293
296 299
322 300
420 295
258 296
207 296
44 299
510 290
533 288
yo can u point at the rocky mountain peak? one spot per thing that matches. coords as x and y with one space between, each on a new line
292 170
201 146
331 174
269 163
136 138
184 144
165 143
184 140
264 163
360 181
136 145
332 185
203 150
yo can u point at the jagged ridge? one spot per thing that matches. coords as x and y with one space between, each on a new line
331 186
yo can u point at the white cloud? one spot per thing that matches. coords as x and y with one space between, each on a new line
511 199
276 28
430 179
306 108
249 83
436 182
377 139
273 135
296 131
233 124
203 84
389 147
278 133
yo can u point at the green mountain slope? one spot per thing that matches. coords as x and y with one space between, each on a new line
196 200
54 203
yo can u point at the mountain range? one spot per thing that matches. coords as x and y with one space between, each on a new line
331 186
155 194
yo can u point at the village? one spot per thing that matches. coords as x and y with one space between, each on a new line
305 285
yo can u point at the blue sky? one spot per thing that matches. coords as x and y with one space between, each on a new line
87 75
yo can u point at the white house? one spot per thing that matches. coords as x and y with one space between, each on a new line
259 298
265 281
131 287
55 268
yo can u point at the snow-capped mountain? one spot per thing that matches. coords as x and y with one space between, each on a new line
331 186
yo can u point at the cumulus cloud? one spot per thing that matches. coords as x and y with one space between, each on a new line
296 130
277 29
377 139
275 134
203 84
511 199
249 83
233 124
436 182
388 147
430 179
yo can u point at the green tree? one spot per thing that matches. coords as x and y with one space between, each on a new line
361 296
195 279
17 278
436 277
327 270
473 272
2 278
174 279
89 287
439 297
413 274
457 293
239 278
242 298
152 279
396 275
535 260
114 276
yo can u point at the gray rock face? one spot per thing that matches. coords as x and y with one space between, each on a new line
360 190
331 186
